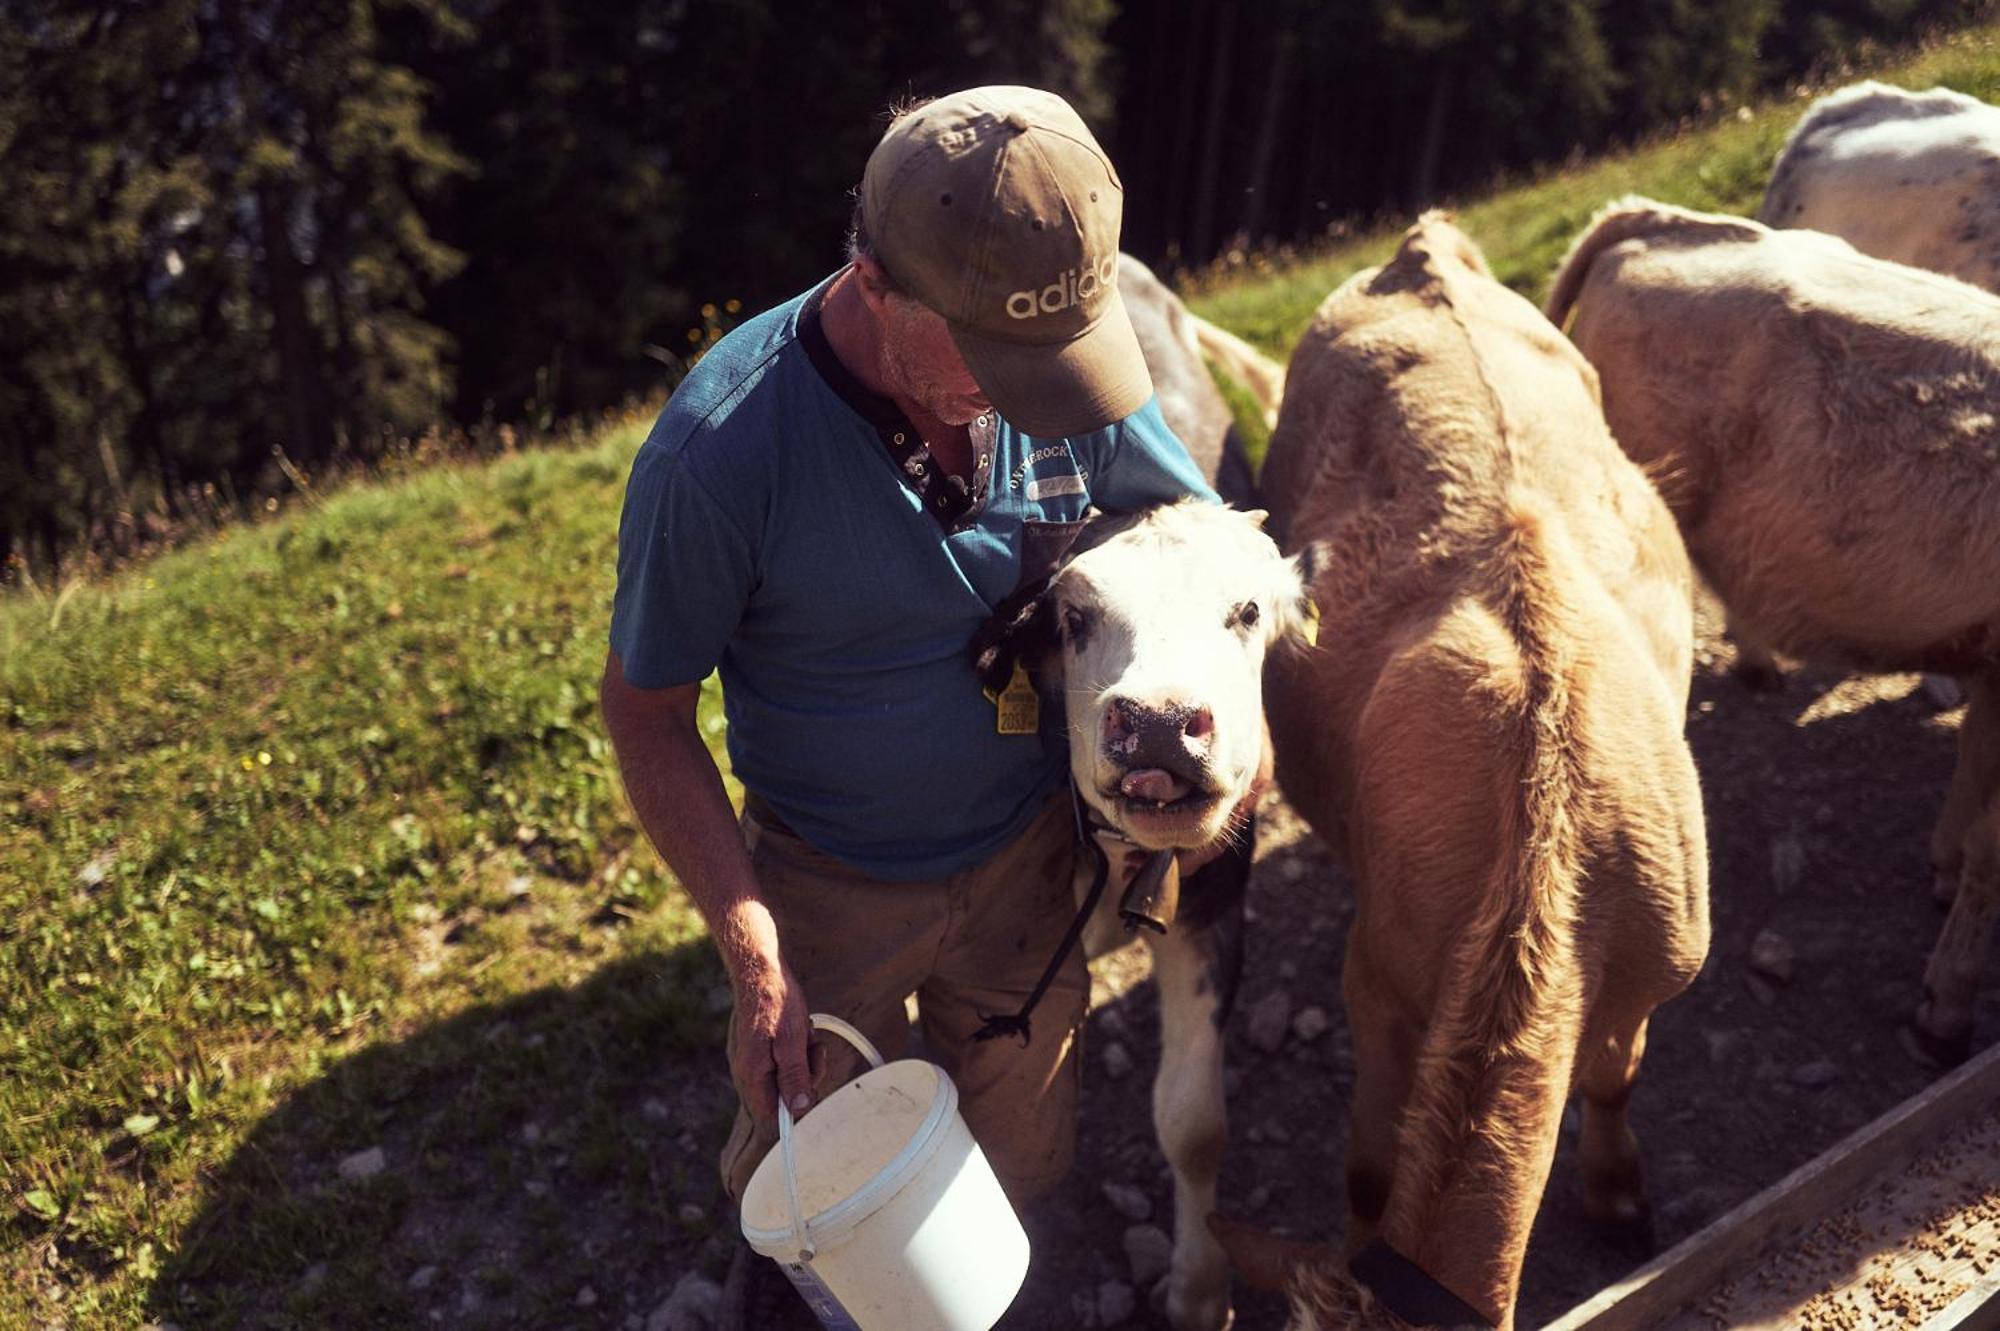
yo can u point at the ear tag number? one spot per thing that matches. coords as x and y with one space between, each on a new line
1019 707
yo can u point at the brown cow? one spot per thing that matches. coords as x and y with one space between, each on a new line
1491 739
1827 430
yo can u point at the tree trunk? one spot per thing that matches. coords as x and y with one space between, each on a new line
1423 186
1257 190
307 431
1202 242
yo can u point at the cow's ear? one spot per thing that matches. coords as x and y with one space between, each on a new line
1302 624
1018 632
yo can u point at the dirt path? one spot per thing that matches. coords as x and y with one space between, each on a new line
1820 799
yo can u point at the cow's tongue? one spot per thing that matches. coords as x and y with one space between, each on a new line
1155 784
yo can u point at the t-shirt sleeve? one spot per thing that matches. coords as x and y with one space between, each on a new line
1142 461
685 574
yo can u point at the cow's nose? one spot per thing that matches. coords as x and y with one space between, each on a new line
1132 727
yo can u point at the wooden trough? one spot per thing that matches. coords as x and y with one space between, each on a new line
1898 1226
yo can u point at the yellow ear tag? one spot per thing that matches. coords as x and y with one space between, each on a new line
1312 622
1019 706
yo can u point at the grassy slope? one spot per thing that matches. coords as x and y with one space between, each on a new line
1526 229
274 805
264 802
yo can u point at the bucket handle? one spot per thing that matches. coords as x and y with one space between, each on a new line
821 1022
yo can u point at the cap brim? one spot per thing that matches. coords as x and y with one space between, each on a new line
1054 389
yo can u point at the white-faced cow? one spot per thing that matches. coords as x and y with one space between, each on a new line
1908 176
1826 429
1491 739
1154 630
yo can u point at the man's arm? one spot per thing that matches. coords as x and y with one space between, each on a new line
676 791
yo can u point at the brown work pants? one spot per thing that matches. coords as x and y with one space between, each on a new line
968 946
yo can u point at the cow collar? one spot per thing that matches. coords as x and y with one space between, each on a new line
1409 1291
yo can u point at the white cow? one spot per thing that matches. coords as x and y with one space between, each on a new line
1908 176
1156 626
1155 632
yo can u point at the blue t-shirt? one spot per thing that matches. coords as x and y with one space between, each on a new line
768 531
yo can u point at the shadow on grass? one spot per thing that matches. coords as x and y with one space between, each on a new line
540 1162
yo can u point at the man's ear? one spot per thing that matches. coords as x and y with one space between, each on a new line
1020 631
873 279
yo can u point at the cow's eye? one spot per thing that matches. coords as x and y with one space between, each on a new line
1075 624
1244 615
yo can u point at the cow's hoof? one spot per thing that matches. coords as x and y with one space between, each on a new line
1191 1314
1930 1049
1627 1230
1759 676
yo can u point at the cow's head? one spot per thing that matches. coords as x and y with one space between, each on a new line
1154 629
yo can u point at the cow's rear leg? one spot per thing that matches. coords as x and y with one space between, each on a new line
1965 847
1385 1045
1614 1189
1195 968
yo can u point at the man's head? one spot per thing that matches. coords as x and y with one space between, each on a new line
996 211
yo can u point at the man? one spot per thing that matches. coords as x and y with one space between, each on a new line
830 505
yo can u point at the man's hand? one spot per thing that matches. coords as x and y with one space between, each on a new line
770 1040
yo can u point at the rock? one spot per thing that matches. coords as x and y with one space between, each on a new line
1269 1016
1771 954
586 1297
1128 1201
691 1306
1150 1252
1720 1045
1788 861
1115 1303
1117 1061
423 1277
1259 1198
1761 989
363 1164
692 1213
1942 692
1816 1075
1310 1024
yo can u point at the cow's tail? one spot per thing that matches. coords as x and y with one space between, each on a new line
1493 1072
1264 377
1627 219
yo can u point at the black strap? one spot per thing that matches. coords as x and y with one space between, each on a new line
1408 1291
1017 1023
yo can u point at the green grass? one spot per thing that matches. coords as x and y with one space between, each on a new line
310 842
307 789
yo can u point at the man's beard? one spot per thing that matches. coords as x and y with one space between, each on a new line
912 382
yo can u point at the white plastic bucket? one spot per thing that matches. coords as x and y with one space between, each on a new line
882 1209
